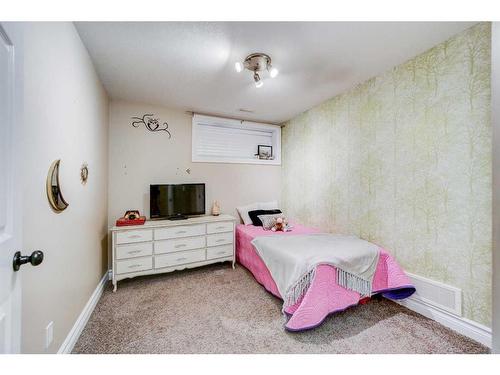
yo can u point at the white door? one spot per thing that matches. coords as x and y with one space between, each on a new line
10 194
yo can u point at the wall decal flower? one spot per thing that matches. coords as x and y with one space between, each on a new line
151 123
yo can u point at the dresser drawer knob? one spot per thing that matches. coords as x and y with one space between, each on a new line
180 259
134 266
180 232
134 236
134 251
180 245
221 240
221 227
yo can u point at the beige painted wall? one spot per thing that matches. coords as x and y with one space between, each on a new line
404 160
66 117
138 158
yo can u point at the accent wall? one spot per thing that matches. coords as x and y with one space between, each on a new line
404 160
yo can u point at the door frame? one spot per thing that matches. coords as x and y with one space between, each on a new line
495 124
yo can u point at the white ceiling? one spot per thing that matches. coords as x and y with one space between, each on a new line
190 65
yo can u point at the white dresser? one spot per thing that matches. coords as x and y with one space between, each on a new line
166 245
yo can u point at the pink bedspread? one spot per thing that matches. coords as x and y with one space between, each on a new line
324 296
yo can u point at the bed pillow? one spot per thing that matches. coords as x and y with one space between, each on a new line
243 211
268 221
254 215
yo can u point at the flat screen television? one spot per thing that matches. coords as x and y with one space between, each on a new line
176 202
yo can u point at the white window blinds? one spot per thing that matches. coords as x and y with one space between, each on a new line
223 140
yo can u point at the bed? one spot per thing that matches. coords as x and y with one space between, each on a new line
324 296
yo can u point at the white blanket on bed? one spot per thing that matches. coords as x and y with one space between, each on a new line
292 261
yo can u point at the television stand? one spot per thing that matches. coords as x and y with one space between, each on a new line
178 217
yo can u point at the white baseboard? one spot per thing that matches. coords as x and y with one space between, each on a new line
76 330
464 326
437 294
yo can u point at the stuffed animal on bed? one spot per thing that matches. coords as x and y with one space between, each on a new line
280 224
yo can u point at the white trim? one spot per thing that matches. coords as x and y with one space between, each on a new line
495 124
81 322
461 325
432 292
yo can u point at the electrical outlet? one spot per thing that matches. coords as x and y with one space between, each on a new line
49 334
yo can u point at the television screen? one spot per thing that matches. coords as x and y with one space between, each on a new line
176 201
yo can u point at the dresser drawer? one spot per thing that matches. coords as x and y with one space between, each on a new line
179 244
134 265
183 257
224 226
180 231
134 250
131 236
219 239
219 251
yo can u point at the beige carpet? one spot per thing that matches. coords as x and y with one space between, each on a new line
215 309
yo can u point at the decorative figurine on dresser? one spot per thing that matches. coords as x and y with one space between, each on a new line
168 243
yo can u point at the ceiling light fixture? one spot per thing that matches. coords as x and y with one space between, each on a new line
238 66
273 72
257 63
258 80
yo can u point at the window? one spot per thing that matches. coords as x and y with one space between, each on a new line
222 140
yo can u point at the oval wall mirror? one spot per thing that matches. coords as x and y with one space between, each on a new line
54 194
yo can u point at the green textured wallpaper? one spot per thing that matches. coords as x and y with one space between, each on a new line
404 160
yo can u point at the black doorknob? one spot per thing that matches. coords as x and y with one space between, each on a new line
35 259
